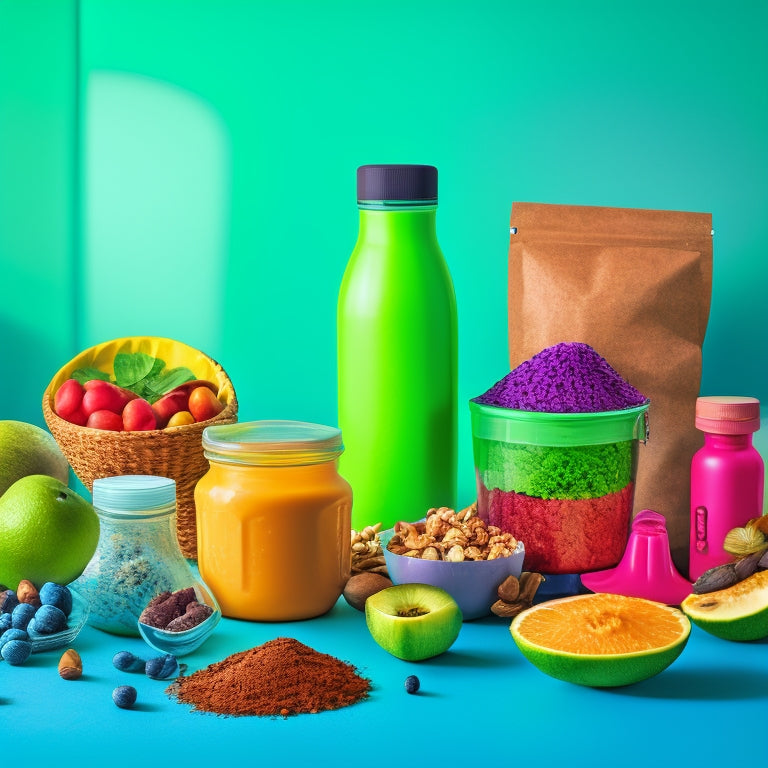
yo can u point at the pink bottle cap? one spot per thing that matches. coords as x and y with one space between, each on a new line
728 415
646 569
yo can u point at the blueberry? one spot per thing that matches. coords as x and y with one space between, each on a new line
13 634
124 696
8 601
21 615
5 621
48 620
412 684
125 661
57 595
162 667
16 651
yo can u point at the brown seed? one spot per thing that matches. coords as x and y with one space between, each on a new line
529 584
746 566
70 665
509 589
719 577
507 610
27 592
362 585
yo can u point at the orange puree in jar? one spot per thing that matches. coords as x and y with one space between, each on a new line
273 519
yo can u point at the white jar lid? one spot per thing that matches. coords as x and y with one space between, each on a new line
133 493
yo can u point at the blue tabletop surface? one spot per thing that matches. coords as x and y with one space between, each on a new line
481 701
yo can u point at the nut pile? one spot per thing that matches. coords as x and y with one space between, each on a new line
367 554
452 536
515 595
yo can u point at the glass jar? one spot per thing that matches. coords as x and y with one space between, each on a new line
273 519
138 555
563 483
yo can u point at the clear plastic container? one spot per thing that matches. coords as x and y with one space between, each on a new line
562 483
138 555
273 519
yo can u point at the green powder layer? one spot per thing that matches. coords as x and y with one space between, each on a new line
578 472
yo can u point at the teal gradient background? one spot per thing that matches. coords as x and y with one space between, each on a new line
186 168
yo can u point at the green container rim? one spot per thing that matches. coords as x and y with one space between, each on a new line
489 422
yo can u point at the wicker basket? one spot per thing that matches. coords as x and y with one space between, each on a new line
176 453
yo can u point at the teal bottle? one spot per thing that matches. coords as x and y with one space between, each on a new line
397 352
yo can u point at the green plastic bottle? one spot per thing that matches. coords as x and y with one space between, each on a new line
397 352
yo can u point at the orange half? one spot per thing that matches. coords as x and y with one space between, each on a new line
601 639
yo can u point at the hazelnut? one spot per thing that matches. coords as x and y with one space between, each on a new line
27 592
362 585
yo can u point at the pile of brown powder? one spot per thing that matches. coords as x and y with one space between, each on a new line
280 677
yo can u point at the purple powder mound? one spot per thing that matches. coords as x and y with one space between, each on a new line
569 377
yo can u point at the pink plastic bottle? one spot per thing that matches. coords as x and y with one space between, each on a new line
727 477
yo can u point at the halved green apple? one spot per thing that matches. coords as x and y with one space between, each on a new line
413 621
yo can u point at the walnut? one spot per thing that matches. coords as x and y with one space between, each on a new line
453 536
473 553
436 526
443 513
413 539
467 513
455 554
498 550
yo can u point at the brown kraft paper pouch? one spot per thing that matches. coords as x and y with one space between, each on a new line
635 285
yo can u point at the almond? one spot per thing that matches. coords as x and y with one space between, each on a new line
70 665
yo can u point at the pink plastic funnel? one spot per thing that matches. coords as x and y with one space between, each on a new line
646 569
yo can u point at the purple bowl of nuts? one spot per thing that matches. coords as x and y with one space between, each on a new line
456 551
180 622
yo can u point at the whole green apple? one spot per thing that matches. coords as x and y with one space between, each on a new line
47 532
413 621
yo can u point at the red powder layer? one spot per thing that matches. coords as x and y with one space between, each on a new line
562 535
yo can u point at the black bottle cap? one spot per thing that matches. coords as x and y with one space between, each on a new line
397 182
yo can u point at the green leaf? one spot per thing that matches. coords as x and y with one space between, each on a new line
168 380
132 367
157 366
88 374
141 373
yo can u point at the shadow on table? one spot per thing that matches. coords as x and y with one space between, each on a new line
710 684
465 659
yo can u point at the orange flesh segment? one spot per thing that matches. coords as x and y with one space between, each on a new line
601 625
